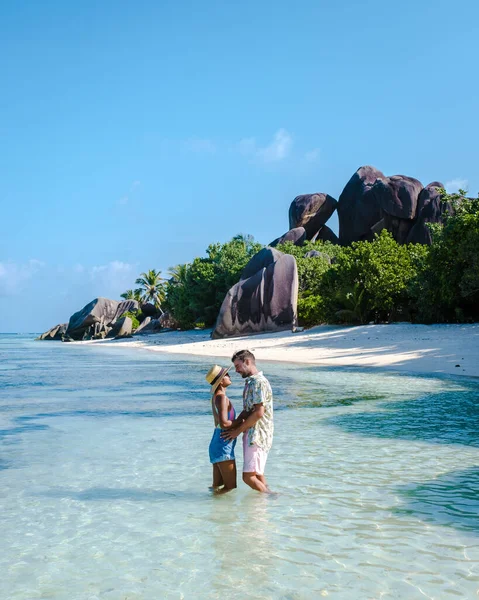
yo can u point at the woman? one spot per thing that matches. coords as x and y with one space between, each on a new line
222 452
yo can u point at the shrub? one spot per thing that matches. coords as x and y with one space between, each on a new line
447 288
310 272
197 290
134 319
371 281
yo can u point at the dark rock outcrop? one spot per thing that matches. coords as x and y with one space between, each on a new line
143 327
123 307
397 198
265 298
430 209
311 211
122 328
55 333
297 236
358 208
260 260
325 234
149 310
167 321
371 202
148 326
100 311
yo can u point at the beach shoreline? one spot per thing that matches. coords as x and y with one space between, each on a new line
434 349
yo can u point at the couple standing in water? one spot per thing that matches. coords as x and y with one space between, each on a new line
255 423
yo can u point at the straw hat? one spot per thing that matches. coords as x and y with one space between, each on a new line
215 376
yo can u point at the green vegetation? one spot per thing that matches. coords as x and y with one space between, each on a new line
132 295
370 281
134 319
195 292
378 281
448 289
152 288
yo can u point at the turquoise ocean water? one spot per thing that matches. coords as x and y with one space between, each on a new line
104 474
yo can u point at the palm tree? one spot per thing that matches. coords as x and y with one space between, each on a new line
152 288
179 273
132 295
354 305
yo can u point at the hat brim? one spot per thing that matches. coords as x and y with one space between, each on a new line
220 379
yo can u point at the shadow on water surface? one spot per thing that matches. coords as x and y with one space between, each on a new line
447 417
451 500
133 494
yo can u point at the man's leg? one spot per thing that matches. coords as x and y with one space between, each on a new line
254 461
255 483
262 478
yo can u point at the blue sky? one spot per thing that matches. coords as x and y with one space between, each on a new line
135 134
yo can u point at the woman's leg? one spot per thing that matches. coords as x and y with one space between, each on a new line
217 478
228 473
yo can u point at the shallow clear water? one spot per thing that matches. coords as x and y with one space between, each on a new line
104 474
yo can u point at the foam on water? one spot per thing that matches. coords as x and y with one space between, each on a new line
104 474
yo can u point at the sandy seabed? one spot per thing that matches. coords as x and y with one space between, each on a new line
442 349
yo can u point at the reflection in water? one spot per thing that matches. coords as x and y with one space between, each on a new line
104 470
241 537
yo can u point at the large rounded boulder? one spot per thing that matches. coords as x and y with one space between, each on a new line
430 209
55 333
397 197
125 306
311 211
98 311
358 208
325 234
296 235
265 298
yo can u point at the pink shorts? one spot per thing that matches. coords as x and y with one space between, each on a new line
254 457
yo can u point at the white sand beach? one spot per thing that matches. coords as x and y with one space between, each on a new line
442 349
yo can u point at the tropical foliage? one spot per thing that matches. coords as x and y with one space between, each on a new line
135 323
375 281
195 291
132 295
448 288
152 288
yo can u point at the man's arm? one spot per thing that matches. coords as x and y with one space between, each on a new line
253 417
244 414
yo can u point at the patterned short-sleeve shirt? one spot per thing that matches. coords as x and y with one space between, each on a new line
257 390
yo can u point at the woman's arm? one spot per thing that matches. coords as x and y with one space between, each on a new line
221 402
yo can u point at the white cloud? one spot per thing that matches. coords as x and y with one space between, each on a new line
277 150
312 156
114 275
455 185
14 276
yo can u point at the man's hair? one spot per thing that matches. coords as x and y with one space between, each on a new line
242 355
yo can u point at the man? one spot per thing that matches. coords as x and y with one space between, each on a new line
255 422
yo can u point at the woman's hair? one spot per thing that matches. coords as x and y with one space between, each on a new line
242 355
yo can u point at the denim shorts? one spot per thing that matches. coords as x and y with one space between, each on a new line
221 450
